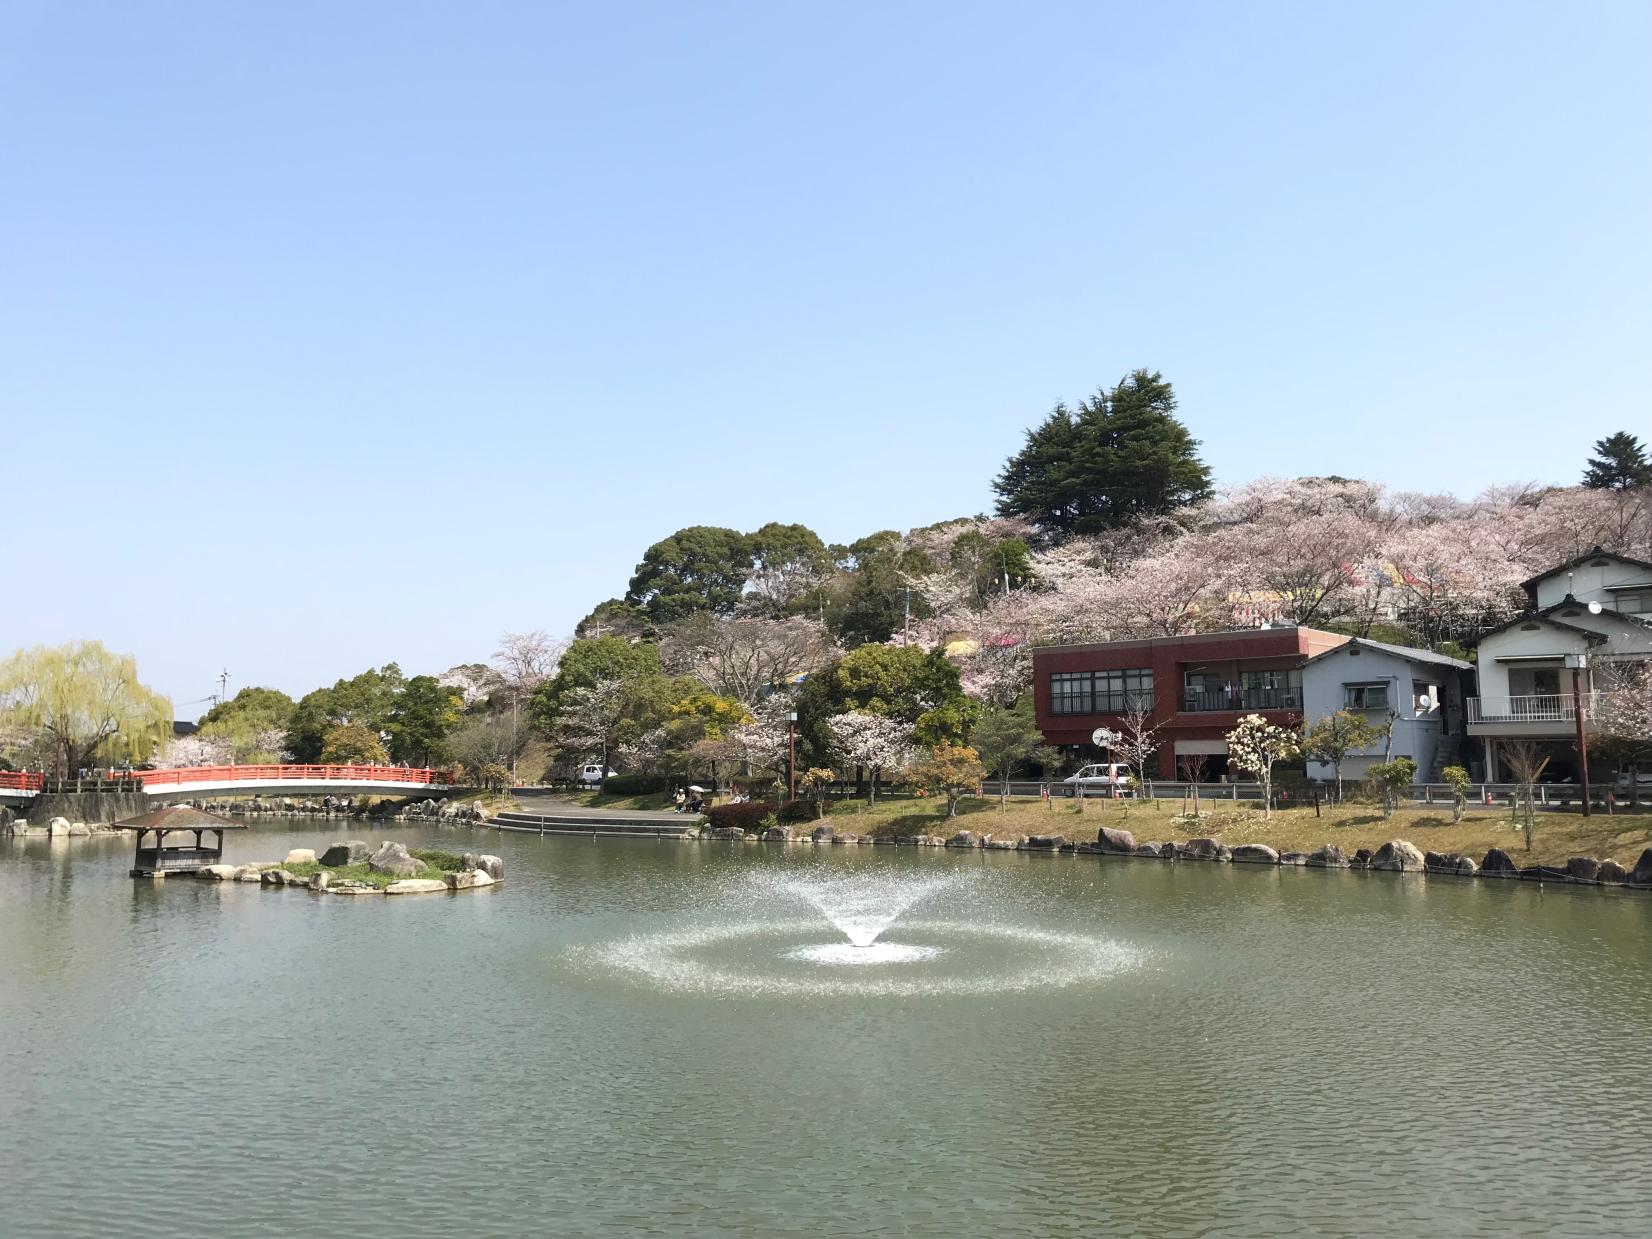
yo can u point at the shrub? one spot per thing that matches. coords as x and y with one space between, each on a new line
445 861
748 816
794 811
636 784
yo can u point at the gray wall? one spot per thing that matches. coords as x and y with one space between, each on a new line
1415 735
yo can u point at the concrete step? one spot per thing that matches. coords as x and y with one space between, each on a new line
593 823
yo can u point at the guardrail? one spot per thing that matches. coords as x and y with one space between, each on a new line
21 781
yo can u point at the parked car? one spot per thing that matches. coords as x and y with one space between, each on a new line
1633 781
1100 780
591 774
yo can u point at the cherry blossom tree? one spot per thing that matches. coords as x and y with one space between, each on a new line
874 742
764 743
196 750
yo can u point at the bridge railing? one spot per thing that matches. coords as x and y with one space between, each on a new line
289 774
21 781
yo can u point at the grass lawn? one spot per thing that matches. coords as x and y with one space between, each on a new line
438 862
592 799
1557 836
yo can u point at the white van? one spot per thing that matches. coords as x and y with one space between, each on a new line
591 774
1111 779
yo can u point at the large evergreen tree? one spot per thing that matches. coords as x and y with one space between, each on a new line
1619 463
701 568
1122 454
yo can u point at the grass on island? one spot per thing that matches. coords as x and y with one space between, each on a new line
1557 835
438 863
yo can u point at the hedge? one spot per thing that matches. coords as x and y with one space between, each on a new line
792 811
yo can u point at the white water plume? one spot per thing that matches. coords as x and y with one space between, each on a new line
862 907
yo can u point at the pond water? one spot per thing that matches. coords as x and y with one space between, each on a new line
642 1038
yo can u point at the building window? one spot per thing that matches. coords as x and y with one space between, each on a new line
1271 690
1425 697
1070 693
1637 603
1366 696
1119 692
1101 692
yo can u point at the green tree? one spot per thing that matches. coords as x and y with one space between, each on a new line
352 744
788 564
85 701
1123 454
1391 778
367 699
701 568
587 663
901 682
1005 737
1619 463
421 715
1333 737
870 603
616 618
253 723
1457 778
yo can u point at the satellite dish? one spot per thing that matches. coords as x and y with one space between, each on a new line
1594 608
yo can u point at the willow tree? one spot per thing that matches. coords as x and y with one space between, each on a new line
85 701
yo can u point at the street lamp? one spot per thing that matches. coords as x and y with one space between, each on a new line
791 755
1578 663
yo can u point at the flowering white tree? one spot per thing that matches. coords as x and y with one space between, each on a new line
1621 713
196 750
588 718
873 741
1255 745
764 743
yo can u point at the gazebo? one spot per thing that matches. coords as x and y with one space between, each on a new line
158 859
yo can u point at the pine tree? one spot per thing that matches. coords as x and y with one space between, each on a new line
1619 463
1121 455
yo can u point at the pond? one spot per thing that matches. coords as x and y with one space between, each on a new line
633 1037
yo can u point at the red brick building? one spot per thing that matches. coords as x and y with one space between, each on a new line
1194 689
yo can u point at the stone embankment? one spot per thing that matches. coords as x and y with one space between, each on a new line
409 875
56 826
92 814
1395 856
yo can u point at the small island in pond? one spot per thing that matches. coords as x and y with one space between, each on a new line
354 867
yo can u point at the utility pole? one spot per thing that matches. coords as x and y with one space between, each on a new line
1577 662
223 685
906 622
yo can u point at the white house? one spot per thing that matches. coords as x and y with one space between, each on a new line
1418 693
1539 667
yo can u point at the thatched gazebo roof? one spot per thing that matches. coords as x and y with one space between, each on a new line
179 817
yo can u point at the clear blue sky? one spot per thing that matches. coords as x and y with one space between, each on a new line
499 293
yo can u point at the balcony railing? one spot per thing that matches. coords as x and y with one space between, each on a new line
1241 699
1536 708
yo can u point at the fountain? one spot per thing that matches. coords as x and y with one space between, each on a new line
741 942
861 908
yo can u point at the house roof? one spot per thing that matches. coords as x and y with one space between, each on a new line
1544 617
1597 553
1399 651
179 817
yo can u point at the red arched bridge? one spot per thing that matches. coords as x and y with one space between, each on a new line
188 782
